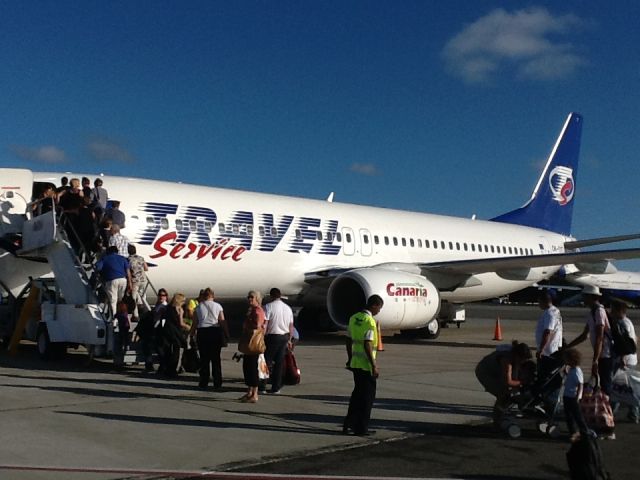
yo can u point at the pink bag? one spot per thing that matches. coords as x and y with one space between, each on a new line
596 409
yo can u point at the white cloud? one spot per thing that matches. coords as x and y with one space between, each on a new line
105 149
527 41
44 154
368 169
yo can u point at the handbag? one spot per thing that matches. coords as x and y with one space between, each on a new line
252 342
595 407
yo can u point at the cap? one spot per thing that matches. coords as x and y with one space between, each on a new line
591 290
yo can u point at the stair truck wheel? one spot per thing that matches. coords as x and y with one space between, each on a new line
48 350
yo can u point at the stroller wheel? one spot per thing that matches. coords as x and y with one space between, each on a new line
514 430
543 427
553 431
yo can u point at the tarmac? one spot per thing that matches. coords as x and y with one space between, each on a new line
67 419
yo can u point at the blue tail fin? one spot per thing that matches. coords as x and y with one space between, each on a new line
551 204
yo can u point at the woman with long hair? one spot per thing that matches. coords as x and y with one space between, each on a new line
254 320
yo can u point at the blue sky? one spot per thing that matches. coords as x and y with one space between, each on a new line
446 107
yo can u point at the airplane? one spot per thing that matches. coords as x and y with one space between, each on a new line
620 285
329 255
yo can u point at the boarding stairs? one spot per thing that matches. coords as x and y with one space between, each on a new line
80 312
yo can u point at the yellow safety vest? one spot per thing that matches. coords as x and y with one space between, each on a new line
359 325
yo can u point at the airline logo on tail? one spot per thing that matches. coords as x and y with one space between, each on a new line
562 184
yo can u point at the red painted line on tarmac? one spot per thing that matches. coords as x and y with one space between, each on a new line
191 473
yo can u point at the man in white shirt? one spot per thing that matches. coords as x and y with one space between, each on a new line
619 315
548 334
278 333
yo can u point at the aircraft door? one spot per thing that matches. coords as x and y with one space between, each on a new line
16 186
348 241
365 242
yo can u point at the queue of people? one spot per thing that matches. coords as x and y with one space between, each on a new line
92 220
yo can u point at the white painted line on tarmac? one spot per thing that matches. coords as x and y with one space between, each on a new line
198 473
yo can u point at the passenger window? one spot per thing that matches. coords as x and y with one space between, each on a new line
179 225
221 227
435 244
236 229
450 245
164 223
419 243
492 249
442 245
329 237
348 237
426 243
411 244
208 226
365 239
386 240
457 245
151 221
250 230
193 226
338 236
395 241
486 248
318 235
404 242
473 247
298 234
274 232
261 231
465 247
376 239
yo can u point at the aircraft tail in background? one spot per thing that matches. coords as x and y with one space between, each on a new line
551 204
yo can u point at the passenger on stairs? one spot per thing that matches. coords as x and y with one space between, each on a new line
116 275
119 241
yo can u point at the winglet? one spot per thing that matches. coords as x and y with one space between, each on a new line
551 204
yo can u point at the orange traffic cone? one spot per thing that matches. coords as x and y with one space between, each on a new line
380 347
497 333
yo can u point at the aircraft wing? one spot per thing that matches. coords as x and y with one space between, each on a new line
485 265
599 241
453 274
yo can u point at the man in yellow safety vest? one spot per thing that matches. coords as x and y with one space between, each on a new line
361 345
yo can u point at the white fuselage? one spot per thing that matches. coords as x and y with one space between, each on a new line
234 241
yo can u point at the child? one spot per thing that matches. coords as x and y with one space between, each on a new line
573 383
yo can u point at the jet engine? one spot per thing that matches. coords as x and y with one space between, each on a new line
410 301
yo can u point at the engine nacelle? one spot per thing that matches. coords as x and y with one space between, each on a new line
410 301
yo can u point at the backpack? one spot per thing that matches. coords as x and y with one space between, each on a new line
585 460
623 344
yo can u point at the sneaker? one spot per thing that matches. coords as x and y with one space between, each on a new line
610 436
263 391
275 392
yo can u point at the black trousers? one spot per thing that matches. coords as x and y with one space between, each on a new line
250 370
210 341
605 372
361 402
274 356
574 416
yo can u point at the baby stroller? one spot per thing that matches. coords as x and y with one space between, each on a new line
538 401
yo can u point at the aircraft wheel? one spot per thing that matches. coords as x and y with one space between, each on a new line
553 431
433 329
514 430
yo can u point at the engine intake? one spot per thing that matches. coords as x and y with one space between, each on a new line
410 301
